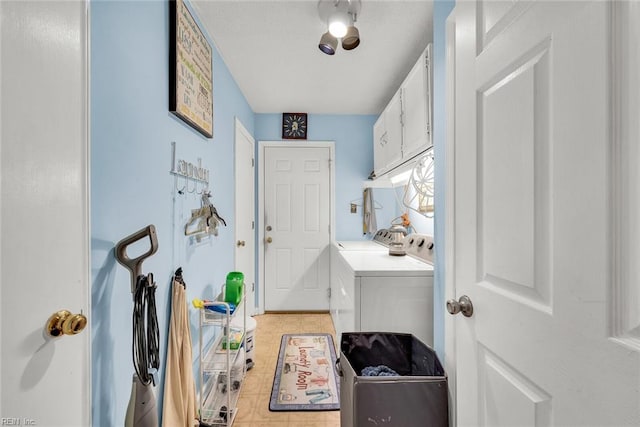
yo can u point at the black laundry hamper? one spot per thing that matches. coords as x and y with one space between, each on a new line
418 397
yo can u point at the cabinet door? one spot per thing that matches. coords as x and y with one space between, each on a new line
379 137
415 109
393 122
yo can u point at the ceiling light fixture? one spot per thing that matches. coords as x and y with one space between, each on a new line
328 43
338 23
340 17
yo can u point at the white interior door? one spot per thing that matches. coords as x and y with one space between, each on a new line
297 214
245 258
44 227
534 248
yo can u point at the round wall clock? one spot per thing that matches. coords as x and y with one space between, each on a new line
294 125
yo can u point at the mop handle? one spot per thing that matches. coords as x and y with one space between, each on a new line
134 265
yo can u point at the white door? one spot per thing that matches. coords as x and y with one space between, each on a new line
297 212
245 216
535 242
44 207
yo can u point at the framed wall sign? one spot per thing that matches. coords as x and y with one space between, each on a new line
190 70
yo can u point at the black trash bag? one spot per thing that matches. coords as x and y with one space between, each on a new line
403 353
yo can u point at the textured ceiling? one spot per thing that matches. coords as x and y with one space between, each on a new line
271 49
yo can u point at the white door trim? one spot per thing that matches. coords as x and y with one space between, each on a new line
260 219
449 201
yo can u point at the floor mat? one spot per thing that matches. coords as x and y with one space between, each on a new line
306 378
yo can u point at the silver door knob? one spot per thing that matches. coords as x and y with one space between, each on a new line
463 305
268 240
240 243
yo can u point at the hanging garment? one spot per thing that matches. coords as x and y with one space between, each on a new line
179 406
369 225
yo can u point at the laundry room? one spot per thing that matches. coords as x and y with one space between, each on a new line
150 166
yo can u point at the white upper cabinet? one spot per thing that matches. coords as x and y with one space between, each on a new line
393 122
403 130
379 142
416 97
387 136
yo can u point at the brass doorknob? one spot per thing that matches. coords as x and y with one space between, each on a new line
64 322
268 239
74 324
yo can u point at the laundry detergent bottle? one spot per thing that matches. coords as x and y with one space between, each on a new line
234 287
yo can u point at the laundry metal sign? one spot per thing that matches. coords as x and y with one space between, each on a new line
188 169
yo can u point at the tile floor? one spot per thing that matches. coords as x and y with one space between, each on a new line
253 405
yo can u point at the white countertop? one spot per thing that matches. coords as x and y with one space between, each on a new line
376 263
360 245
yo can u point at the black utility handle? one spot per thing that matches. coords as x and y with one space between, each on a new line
135 265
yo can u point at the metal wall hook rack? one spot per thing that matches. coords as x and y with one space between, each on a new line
191 173
134 265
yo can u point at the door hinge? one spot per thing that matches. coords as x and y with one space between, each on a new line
401 109
252 162
253 287
426 61
328 292
253 225
329 228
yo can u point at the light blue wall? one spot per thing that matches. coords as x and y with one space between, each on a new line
441 10
353 136
131 135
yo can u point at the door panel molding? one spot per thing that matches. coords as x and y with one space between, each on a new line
507 387
517 263
494 17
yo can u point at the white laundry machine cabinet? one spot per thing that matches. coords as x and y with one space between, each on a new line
373 291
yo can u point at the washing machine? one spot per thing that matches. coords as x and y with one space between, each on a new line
373 291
